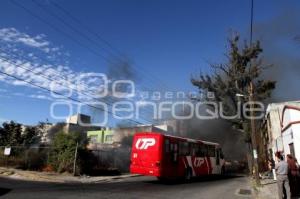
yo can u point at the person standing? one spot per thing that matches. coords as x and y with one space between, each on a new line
282 169
293 174
271 164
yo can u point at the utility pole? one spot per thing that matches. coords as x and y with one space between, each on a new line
253 134
75 160
251 100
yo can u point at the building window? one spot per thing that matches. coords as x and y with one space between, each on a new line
93 139
108 138
292 149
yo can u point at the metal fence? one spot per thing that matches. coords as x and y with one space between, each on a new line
112 159
102 161
33 158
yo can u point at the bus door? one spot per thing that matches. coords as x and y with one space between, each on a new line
220 161
218 157
201 161
170 157
214 154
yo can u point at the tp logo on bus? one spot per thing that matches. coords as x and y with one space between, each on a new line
198 162
144 143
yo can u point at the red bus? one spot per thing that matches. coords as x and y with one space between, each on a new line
168 157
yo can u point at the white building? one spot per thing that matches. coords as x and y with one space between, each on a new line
290 130
283 122
45 128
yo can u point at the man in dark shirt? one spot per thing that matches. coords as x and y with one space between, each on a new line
282 169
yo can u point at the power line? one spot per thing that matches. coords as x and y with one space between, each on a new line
67 81
92 32
66 12
251 23
69 36
57 29
64 33
41 73
72 38
50 79
82 34
46 77
57 93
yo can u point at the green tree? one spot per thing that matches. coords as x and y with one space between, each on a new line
3 137
243 68
11 134
63 151
31 135
127 141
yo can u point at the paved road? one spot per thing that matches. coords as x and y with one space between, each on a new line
131 188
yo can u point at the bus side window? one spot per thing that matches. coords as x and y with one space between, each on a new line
218 157
175 147
175 153
167 145
194 149
187 148
198 150
182 148
211 151
221 154
171 147
202 150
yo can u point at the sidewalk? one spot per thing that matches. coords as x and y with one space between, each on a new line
267 190
55 177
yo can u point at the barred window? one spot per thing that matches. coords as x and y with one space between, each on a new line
93 139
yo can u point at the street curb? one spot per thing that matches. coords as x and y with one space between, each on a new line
115 178
37 177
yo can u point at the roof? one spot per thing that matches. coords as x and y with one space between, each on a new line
272 106
182 138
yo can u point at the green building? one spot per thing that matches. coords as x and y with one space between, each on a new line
100 136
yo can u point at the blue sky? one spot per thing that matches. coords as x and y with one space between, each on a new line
167 41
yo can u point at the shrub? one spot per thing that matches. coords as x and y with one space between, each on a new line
63 153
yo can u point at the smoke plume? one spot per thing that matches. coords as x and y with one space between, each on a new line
280 41
281 47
